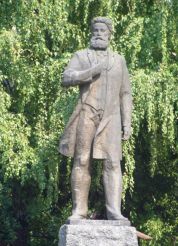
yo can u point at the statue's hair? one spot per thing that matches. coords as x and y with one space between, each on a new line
105 20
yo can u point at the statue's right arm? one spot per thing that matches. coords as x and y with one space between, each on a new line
74 74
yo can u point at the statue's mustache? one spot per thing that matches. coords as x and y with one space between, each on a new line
99 42
98 38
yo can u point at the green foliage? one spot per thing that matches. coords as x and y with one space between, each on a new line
37 39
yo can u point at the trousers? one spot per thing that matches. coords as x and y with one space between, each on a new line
89 120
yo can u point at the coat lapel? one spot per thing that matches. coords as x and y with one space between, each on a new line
93 60
111 58
91 57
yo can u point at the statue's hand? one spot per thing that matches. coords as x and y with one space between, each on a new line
95 70
126 132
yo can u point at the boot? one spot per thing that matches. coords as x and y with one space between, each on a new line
80 182
112 180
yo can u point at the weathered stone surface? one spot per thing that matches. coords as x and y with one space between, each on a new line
91 234
124 222
100 121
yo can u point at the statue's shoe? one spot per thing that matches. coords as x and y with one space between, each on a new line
76 217
117 217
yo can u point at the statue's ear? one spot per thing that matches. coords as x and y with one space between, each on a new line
110 34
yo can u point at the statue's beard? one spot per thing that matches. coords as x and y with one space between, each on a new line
99 43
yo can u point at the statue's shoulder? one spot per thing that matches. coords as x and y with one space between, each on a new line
81 53
118 56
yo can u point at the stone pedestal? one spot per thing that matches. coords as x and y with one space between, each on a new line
98 233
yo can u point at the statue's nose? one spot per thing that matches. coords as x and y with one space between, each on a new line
99 33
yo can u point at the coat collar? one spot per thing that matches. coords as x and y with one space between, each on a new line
92 58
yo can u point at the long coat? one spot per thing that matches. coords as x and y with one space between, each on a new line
118 104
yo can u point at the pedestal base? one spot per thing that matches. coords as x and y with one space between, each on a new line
98 233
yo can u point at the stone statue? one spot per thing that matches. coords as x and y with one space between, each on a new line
100 120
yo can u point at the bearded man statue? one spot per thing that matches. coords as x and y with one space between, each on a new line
101 119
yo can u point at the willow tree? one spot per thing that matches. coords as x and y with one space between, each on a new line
37 39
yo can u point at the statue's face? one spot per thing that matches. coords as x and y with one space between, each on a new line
100 36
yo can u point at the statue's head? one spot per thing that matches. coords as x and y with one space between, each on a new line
101 28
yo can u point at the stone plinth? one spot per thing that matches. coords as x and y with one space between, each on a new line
98 233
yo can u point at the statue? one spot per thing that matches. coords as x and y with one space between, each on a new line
100 120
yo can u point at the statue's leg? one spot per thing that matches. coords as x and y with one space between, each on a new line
81 177
112 180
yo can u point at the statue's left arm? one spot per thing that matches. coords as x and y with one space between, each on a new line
125 102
